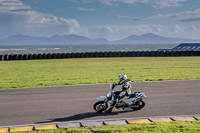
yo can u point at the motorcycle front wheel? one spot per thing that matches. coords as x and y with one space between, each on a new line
138 105
100 106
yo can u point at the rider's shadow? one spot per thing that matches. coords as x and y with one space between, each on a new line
82 116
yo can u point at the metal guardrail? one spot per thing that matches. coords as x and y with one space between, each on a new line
8 57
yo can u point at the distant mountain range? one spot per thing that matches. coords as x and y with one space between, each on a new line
56 39
148 38
151 38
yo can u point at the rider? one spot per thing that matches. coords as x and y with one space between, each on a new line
126 90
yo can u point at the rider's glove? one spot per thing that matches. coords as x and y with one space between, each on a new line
113 85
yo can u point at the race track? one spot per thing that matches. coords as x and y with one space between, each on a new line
75 103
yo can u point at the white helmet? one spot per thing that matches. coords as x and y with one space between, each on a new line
122 78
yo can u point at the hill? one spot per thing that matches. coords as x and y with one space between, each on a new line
148 38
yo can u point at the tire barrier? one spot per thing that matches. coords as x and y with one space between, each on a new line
1 58
40 56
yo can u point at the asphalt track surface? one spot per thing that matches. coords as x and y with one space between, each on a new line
75 103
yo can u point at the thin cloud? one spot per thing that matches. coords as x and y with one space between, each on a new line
187 16
86 9
159 4
116 2
83 1
155 3
11 5
167 3
127 17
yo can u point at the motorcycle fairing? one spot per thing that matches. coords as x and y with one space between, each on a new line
101 98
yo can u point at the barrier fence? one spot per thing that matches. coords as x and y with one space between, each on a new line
8 57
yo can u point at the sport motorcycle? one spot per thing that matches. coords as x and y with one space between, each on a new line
134 101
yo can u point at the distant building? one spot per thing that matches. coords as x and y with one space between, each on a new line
184 47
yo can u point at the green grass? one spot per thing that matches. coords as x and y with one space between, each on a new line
160 127
37 73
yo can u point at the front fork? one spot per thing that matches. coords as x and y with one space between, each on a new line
106 100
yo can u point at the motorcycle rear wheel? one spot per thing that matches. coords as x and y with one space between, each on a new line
100 106
138 105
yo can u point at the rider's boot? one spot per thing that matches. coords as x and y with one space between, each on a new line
112 106
110 109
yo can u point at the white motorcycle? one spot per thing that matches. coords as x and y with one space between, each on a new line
134 101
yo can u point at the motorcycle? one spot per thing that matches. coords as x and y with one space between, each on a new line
134 101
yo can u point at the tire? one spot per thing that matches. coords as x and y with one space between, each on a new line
138 105
100 107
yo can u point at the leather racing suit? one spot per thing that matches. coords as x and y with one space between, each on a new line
126 91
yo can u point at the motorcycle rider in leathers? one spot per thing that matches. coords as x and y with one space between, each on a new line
126 90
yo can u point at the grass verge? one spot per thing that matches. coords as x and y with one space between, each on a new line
39 73
160 127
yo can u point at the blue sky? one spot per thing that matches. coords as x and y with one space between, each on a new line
110 19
